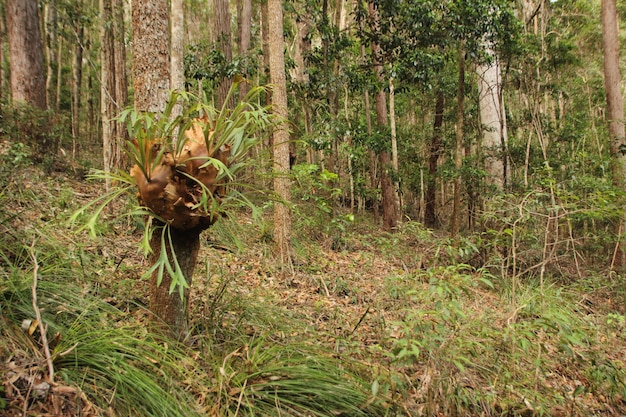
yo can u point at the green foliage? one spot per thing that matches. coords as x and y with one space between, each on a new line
265 378
238 128
33 133
317 189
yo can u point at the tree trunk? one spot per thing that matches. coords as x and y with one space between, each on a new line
492 121
390 218
430 206
245 36
455 221
177 66
151 56
107 88
265 42
615 114
50 29
372 155
394 146
170 310
77 75
112 83
282 183
3 41
121 82
25 53
151 69
224 43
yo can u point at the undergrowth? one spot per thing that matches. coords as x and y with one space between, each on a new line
370 323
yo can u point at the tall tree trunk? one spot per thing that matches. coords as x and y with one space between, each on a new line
615 113
390 219
113 86
25 53
50 29
223 42
282 183
245 36
394 146
59 76
151 69
372 154
107 88
3 42
121 82
151 56
455 221
492 120
77 79
265 42
177 67
430 206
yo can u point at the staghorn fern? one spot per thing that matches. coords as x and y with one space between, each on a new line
181 167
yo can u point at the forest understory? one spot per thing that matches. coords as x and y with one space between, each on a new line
365 323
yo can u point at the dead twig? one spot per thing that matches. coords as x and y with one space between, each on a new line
42 327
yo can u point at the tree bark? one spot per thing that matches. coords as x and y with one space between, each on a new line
151 69
50 28
170 310
455 221
151 56
282 183
223 42
390 219
492 121
177 70
430 206
25 53
121 81
113 86
615 114
245 36
77 75
107 88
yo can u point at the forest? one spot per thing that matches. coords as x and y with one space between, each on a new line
312 208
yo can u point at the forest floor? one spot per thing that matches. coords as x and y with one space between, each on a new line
431 323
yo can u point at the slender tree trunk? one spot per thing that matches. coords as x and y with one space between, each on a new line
282 183
59 76
223 42
390 219
430 213
112 83
50 29
110 147
77 79
372 154
177 70
615 114
265 43
394 146
3 41
121 82
455 221
245 36
25 53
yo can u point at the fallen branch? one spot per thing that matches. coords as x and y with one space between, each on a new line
42 328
